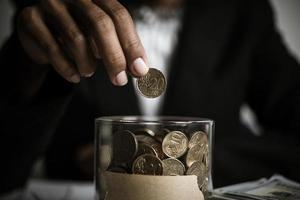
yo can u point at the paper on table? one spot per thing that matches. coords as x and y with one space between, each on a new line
137 187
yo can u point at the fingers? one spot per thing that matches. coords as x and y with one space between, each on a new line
104 33
31 18
109 33
129 39
94 47
73 39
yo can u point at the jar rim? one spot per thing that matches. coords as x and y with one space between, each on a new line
133 119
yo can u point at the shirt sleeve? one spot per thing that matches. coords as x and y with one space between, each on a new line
26 124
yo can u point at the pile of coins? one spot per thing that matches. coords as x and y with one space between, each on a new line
163 152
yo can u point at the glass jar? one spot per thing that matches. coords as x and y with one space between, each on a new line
155 157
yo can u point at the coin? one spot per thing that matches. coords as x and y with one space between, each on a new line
147 164
158 150
145 148
175 144
198 169
153 84
144 131
205 158
145 139
125 146
153 143
161 134
194 154
164 131
198 137
173 167
204 185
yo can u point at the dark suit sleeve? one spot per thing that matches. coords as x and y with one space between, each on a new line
27 119
274 95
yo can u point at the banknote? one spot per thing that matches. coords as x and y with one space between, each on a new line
275 188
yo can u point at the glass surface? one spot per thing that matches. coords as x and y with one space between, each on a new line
121 140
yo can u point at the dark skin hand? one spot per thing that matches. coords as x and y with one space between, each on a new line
72 34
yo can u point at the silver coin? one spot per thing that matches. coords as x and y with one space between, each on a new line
173 167
175 144
125 146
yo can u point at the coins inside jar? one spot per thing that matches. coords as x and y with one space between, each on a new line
153 84
199 137
175 153
147 164
175 144
125 146
196 153
198 169
173 167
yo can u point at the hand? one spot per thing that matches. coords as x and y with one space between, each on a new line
71 34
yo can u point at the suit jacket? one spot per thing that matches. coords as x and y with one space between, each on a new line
229 53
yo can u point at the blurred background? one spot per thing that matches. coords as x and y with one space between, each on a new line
287 13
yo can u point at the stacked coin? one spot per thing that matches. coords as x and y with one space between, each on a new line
161 152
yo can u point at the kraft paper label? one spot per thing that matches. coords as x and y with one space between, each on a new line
145 187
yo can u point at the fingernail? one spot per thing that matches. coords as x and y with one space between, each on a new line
89 75
140 67
121 79
75 78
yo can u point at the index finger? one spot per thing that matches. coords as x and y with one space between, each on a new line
128 37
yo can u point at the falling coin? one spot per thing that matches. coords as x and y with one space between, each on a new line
173 167
198 137
153 84
125 146
175 144
147 164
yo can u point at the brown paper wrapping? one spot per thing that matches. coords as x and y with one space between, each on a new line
144 187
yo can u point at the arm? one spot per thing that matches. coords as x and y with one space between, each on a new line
30 110
57 42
